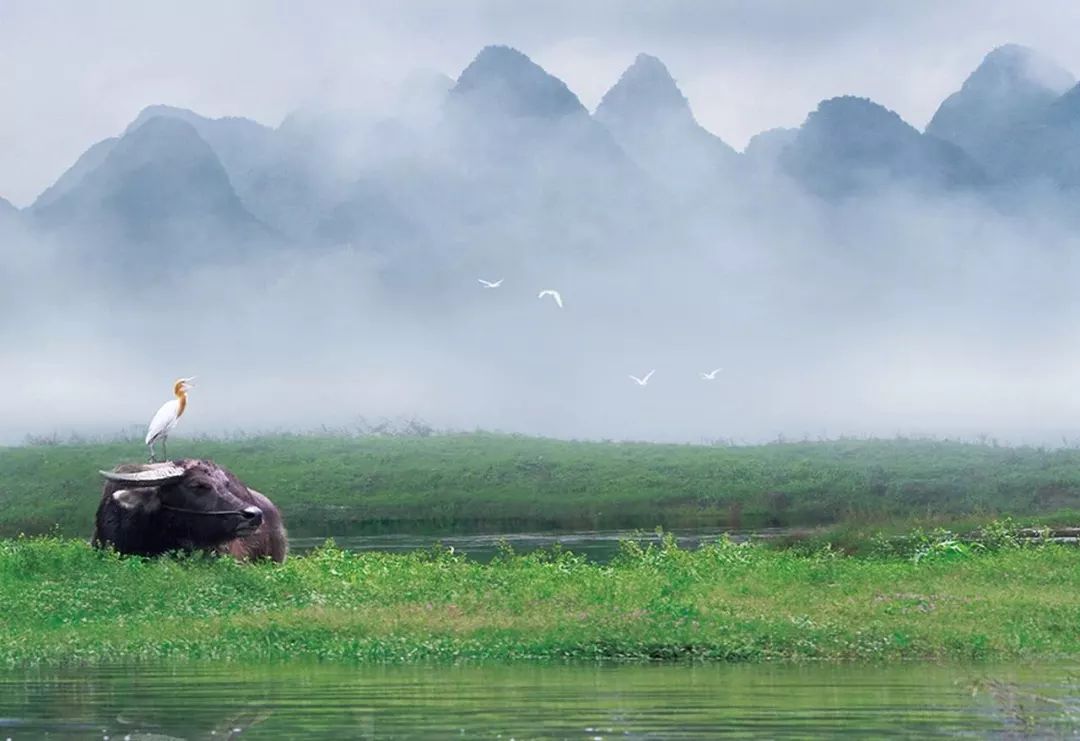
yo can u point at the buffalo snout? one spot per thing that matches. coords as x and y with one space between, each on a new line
253 517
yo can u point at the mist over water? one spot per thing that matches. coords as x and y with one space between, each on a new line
337 280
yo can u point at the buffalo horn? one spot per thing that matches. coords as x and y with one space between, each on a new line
159 474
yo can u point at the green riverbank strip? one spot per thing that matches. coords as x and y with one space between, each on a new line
329 485
61 602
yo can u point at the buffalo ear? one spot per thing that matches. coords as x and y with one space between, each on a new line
145 499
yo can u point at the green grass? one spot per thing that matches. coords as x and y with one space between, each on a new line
62 602
340 486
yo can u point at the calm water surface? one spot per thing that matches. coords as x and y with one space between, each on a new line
292 701
599 545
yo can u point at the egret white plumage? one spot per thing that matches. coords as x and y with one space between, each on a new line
490 283
554 294
167 417
711 375
643 381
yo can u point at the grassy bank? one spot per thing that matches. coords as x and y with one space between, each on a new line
337 486
62 602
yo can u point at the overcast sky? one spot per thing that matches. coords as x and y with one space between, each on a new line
77 71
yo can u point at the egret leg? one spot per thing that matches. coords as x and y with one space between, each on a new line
164 449
151 445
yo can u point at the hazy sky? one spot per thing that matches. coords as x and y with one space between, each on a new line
77 71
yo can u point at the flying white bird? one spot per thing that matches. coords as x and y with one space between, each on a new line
711 375
490 284
643 381
554 294
167 417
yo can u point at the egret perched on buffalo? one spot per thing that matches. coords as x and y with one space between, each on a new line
167 417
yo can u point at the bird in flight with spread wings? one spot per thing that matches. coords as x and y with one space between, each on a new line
554 294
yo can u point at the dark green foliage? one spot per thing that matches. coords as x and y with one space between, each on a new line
456 483
62 602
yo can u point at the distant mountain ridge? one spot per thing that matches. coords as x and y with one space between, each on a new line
249 151
503 103
852 145
1046 150
509 148
159 187
645 90
503 81
764 149
87 162
651 119
10 217
1011 87
516 141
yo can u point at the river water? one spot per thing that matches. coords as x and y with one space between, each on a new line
529 701
599 545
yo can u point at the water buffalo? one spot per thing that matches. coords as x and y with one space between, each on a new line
186 505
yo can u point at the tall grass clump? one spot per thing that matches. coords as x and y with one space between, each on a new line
63 602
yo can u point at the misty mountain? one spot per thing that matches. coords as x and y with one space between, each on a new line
291 177
371 133
239 143
651 120
763 151
507 113
503 83
853 145
1011 88
422 95
368 171
1046 150
512 151
11 223
294 186
87 162
1059 154
159 193
243 146
509 149
370 216
277 178
899 302
523 149
437 175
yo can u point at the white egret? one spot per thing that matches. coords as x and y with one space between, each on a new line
167 416
711 375
554 294
643 381
489 283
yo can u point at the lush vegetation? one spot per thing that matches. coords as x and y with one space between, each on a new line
350 485
61 601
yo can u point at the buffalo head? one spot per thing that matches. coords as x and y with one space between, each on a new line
181 505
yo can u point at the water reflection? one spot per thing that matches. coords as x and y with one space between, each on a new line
598 545
540 701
